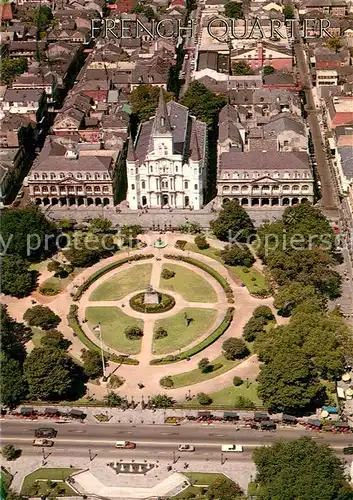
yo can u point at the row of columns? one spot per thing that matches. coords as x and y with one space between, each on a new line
272 202
71 201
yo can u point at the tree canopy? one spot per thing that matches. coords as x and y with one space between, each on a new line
236 255
224 489
41 316
13 388
144 101
295 294
303 469
51 374
242 68
27 233
16 278
202 102
87 249
234 348
11 68
234 10
14 336
232 222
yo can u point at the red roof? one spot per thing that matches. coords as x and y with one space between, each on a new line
122 6
6 12
177 3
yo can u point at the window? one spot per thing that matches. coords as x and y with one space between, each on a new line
143 184
35 176
165 150
196 171
286 187
225 189
106 177
36 189
305 188
89 189
44 177
62 176
276 175
186 185
295 188
255 175
176 169
164 184
151 169
297 175
53 189
45 189
105 189
157 183
52 176
132 187
96 176
235 175
226 175
235 189
79 176
88 177
196 187
285 143
245 175
132 171
244 188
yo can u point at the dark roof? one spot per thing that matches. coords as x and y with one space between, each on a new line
22 95
207 60
228 128
346 154
258 160
284 122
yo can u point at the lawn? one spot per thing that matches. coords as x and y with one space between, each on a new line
42 483
59 284
198 479
113 323
226 397
252 278
180 335
220 365
189 284
38 334
124 282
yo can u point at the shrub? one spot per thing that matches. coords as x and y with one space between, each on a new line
242 402
245 270
253 327
234 348
160 333
204 399
161 401
167 274
204 365
49 290
114 382
9 452
264 312
166 381
181 244
201 242
55 339
166 302
41 316
237 381
133 332
190 228
53 266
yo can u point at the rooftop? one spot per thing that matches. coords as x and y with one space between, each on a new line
264 160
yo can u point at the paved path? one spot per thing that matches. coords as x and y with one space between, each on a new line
244 305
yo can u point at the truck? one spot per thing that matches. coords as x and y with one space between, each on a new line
42 442
45 432
232 447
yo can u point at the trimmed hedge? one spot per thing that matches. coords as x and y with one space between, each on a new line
78 331
82 288
215 335
166 303
222 281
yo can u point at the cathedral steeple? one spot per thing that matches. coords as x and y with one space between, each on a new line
131 154
161 125
195 154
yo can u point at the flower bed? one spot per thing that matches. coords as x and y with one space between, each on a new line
166 302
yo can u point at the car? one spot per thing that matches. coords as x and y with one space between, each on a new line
45 432
42 442
348 450
125 445
186 447
232 447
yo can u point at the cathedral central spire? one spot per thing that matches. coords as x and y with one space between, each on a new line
161 120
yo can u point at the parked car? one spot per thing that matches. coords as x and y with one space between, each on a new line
45 432
42 442
232 447
125 445
186 447
348 450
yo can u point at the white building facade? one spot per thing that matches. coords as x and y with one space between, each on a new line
167 165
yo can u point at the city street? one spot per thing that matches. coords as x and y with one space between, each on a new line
157 441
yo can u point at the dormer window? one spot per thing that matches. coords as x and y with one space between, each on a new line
62 175
52 176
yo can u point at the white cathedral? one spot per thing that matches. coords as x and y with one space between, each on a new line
167 165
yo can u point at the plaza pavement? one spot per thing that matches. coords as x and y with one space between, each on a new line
149 375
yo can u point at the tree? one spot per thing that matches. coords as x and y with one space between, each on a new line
268 70
41 316
144 101
16 279
204 365
203 103
224 489
56 340
53 266
242 68
114 400
92 364
133 332
288 12
50 374
160 333
161 401
43 17
201 242
234 348
263 312
167 274
237 381
11 68
204 399
190 227
299 469
13 388
9 452
241 402
233 10
232 223
86 250
66 224
28 233
293 295
334 43
14 336
146 10
100 225
236 255
253 328
129 233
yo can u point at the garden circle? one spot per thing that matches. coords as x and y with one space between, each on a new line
151 301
